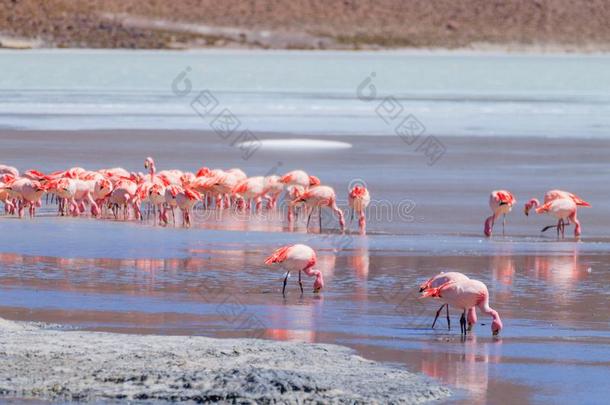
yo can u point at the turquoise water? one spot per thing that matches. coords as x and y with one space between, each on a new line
309 92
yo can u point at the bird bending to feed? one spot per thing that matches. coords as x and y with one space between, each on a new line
439 280
501 203
466 294
320 196
552 195
564 209
299 258
358 199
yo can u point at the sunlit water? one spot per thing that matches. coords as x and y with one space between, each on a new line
450 93
425 217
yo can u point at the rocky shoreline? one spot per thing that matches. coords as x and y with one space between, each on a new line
42 362
564 25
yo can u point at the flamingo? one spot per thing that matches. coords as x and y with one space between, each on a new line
299 258
466 294
320 196
4 169
252 188
273 188
564 209
439 280
28 192
185 200
501 203
554 195
358 199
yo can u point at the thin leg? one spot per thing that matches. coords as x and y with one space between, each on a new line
463 323
448 319
320 217
285 281
309 218
437 315
503 223
300 282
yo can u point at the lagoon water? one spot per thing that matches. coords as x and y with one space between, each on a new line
450 93
541 122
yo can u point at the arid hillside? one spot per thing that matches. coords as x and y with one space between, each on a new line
306 24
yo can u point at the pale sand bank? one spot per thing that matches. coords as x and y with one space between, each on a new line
42 362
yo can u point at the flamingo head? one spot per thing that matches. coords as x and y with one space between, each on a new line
318 284
533 203
496 326
357 191
149 163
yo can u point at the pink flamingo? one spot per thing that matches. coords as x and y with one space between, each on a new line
185 200
299 258
299 178
439 280
273 188
252 188
358 200
320 196
564 209
501 203
28 193
554 195
466 294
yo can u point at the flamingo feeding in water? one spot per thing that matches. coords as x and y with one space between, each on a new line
299 258
564 209
501 203
320 196
439 280
466 294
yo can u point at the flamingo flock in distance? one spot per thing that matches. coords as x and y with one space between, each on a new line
123 194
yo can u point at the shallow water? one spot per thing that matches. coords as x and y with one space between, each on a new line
210 279
450 93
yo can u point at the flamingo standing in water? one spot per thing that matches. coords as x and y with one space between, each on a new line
441 279
358 199
564 209
320 196
555 195
299 258
501 203
466 294
185 200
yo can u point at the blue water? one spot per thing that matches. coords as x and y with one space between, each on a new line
309 92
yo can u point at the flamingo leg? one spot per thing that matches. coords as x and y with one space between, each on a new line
285 281
300 283
437 315
463 323
503 223
309 218
320 217
448 319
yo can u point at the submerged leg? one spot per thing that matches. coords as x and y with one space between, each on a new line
463 323
300 282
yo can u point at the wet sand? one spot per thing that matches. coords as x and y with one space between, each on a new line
140 278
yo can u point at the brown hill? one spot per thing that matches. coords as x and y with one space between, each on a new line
352 24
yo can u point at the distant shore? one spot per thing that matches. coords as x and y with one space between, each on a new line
46 363
513 25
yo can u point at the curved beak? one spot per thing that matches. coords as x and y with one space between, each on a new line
316 290
495 333
146 164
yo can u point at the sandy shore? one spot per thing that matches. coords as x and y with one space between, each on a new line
38 362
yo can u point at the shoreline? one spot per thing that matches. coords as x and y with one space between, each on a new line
483 49
42 362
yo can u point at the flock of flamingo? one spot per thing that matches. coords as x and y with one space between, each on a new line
78 191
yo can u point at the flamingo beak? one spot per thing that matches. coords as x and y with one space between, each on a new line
495 333
316 290
526 211
146 165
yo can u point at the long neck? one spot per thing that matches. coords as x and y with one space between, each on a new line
484 306
152 171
